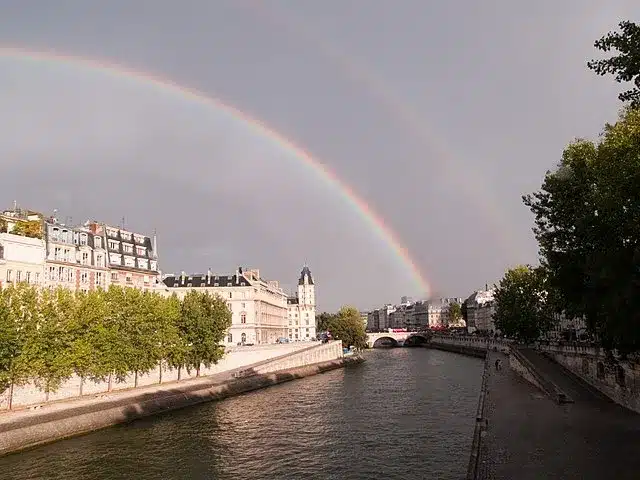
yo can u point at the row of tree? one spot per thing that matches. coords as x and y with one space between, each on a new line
48 335
587 223
345 325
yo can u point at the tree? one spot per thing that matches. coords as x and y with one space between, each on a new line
323 320
347 326
586 224
48 349
3 225
520 299
28 228
203 323
626 65
18 305
455 313
172 347
87 325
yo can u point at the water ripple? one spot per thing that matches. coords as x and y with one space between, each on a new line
403 414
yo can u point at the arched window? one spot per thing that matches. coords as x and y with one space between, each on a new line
243 337
243 317
230 338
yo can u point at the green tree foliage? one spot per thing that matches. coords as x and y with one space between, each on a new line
17 324
455 313
347 325
587 226
30 228
48 350
3 225
521 307
203 322
47 335
626 65
322 321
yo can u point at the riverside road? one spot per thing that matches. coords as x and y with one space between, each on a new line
531 437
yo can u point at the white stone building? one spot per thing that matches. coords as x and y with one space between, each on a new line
21 259
258 306
480 310
22 250
301 309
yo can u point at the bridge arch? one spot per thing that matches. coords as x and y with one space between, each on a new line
385 342
417 339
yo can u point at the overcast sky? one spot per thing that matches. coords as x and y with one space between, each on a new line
440 115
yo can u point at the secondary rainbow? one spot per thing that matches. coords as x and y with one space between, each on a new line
374 220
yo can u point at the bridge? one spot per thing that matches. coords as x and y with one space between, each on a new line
397 339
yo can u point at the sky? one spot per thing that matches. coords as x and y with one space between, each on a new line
439 115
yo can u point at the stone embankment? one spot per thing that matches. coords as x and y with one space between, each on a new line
28 428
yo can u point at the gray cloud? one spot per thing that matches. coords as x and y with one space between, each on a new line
495 92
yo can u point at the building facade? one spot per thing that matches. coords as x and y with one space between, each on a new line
132 258
22 249
480 310
301 309
258 307
75 257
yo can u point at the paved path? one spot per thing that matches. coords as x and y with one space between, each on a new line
531 437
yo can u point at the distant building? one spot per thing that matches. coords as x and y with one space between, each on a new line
258 307
301 309
480 310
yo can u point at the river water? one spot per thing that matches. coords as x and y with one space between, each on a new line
405 413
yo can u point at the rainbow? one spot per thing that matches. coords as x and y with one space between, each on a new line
373 219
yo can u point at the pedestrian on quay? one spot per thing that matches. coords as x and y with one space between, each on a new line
498 366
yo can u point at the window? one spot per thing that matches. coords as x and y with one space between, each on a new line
1 252
114 276
146 279
57 253
230 294
37 277
141 251
129 279
18 276
243 337
67 255
27 277
9 275
97 242
230 338
243 317
99 261
127 248
85 258
307 321
83 239
98 278
113 245
244 305
84 277
229 306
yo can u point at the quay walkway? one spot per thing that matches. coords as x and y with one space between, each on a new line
529 436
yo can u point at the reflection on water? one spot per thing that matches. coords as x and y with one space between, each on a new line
403 414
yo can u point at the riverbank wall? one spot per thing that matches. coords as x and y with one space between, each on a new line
470 346
75 387
612 377
29 428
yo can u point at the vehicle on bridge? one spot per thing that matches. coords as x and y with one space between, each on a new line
398 339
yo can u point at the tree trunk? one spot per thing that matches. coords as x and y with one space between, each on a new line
160 373
135 379
46 393
179 372
81 384
110 383
198 371
10 395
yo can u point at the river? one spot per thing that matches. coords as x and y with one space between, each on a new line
406 413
